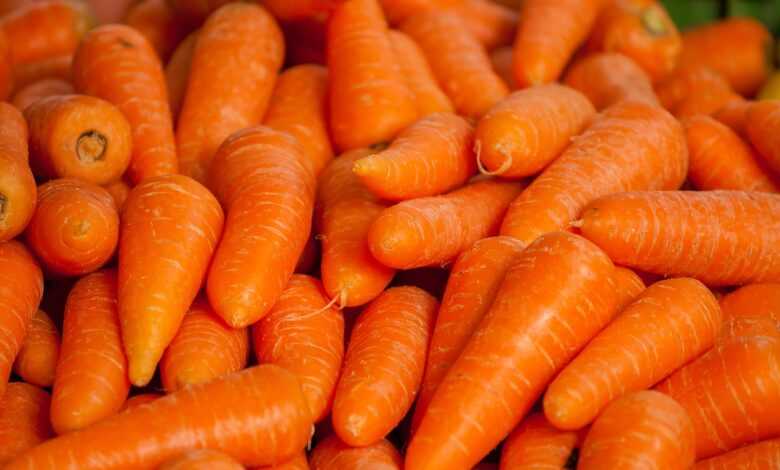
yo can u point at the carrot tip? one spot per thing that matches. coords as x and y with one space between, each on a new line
91 146
497 172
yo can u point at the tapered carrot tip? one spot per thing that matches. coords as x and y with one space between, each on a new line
364 166
395 241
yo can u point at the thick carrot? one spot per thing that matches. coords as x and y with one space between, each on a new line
288 10
537 323
21 287
399 10
170 228
299 462
537 444
492 24
54 67
298 107
369 99
521 134
471 288
501 58
203 349
548 34
705 100
24 419
759 300
761 126
40 89
762 456
18 193
698 85
720 159
428 97
734 115
138 400
671 323
202 459
159 24
459 62
333 454
196 10
717 237
434 230
628 286
257 416
608 78
177 73
644 429
37 358
6 68
629 146
119 190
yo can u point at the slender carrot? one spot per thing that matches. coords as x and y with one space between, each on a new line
537 444
170 228
305 335
119 190
521 134
434 230
333 454
537 323
761 125
299 462
762 456
492 24
369 99
21 287
459 62
24 419
196 10
138 400
399 10
298 107
761 300
257 416
18 193
473 282
299 9
501 58
203 349
642 429
717 237
202 459
159 24
608 78
177 73
629 146
40 89
734 115
428 97
6 68
37 357
53 67
260 177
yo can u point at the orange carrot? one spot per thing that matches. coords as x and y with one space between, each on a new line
202 459
698 85
629 146
119 190
203 349
177 73
434 230
17 185
717 237
298 107
759 300
399 10
535 325
521 134
643 428
299 9
501 58
159 24
671 323
628 286
109 11
53 67
305 335
734 115
260 177
257 416
762 456
196 10
40 89
537 444
6 68
459 62
170 228
118 64
298 462
492 24
608 78
333 454
139 400
37 357
24 419
761 125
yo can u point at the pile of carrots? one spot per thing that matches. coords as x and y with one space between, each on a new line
386 234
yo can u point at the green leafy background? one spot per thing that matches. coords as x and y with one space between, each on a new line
688 13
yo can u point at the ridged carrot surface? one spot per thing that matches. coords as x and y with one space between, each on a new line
434 230
159 24
305 335
398 10
491 23
643 429
718 237
170 228
118 64
299 462
40 89
54 67
37 358
762 300
257 416
762 124
138 400
260 177
202 459
762 456
609 78
628 286
537 323
18 192
177 73
333 454
630 146
24 419
536 445
734 115
524 132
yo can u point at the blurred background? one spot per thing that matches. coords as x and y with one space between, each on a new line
687 13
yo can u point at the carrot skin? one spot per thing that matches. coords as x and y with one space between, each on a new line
158 23
24 419
40 89
628 286
177 73
299 462
37 358
6 68
492 24
333 454
754 300
18 192
138 400
608 78
202 459
501 59
761 125
399 10
762 456
536 443
119 190
54 67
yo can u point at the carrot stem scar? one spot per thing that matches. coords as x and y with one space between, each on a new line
91 146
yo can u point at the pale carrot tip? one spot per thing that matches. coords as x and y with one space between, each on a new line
361 167
498 171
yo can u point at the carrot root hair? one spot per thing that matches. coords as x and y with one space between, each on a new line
505 166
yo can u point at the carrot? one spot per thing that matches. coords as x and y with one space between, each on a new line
717 237
696 84
369 99
492 24
109 11
399 10
37 357
629 146
139 400
761 126
177 73
734 115
536 324
738 48
202 459
535 443
119 190
548 34
300 9
158 23
17 185
705 101
45 29
762 456
760 300
434 230
196 10
720 159
40 89
730 393
203 349
671 323
53 67
459 62
471 288
257 416
6 68
628 286
170 228
237 55
521 134
21 287
24 419
428 97
333 454
608 78
501 58
644 428
298 107
298 462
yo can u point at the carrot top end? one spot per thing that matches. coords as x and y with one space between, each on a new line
91 146
653 21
